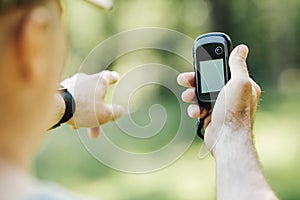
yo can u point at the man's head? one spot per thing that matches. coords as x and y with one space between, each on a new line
33 49
7 4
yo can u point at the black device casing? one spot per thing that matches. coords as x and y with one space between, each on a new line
207 100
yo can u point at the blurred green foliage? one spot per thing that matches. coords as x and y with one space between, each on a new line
271 29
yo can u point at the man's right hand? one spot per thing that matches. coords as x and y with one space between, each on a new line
228 132
235 106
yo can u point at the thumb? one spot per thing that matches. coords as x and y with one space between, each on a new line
237 62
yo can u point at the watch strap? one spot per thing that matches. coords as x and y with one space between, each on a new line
69 108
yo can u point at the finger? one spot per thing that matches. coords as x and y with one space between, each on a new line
110 77
189 95
237 62
94 132
106 78
186 79
113 112
203 112
101 88
207 120
194 111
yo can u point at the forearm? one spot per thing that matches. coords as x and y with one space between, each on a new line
239 175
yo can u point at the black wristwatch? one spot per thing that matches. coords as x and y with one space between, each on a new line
69 108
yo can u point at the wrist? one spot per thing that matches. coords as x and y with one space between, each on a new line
232 141
60 108
66 84
238 171
65 109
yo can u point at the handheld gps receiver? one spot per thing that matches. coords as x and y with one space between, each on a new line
211 52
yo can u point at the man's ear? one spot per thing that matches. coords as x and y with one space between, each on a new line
33 44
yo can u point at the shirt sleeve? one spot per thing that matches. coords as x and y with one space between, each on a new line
50 191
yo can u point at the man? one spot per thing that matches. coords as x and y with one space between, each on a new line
32 56
33 50
228 132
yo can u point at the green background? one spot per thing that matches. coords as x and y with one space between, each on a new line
271 29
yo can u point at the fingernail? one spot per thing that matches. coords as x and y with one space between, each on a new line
181 79
242 51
